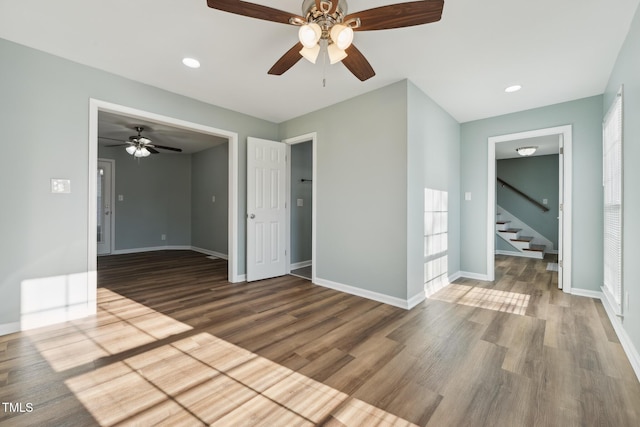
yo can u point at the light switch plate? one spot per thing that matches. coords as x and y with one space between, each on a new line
120 197
300 202
467 195
60 186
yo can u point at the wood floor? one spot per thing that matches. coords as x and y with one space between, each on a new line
174 343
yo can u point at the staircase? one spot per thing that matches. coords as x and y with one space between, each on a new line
524 244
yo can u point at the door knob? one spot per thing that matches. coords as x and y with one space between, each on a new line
252 216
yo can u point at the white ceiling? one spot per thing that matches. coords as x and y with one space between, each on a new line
114 129
558 50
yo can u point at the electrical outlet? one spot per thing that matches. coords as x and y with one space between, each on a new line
163 237
545 201
213 199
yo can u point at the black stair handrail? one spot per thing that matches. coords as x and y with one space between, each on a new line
532 200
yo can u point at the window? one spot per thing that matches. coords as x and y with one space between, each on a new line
612 183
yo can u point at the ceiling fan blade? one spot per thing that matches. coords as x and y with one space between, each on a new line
398 15
253 10
112 139
287 60
358 64
151 149
177 150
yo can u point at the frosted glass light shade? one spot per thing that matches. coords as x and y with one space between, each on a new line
309 34
310 53
335 53
342 36
131 149
526 151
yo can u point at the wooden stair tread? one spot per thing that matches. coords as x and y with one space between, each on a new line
510 230
536 248
522 239
502 222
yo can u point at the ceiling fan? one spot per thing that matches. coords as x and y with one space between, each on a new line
327 24
140 146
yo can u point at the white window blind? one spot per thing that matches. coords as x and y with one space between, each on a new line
612 183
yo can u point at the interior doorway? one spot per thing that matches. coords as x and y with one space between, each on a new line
97 106
563 136
301 196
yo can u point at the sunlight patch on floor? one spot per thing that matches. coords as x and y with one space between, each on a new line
194 380
490 299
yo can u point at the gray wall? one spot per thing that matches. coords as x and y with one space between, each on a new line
433 161
361 189
210 220
301 216
45 106
585 115
156 199
538 178
372 171
627 72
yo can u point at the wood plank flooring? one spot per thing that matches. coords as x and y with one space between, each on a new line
173 343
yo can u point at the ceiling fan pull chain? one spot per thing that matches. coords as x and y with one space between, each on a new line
324 64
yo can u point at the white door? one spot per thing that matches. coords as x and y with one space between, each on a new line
561 207
266 209
105 211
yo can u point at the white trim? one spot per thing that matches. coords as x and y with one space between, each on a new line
518 254
475 276
566 132
150 249
627 345
375 296
301 264
586 293
210 253
95 106
416 299
455 276
9 328
313 137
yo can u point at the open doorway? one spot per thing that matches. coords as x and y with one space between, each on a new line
549 141
301 196
97 107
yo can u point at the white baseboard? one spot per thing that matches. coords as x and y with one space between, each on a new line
518 254
150 249
455 276
9 328
375 296
416 299
239 278
586 293
170 248
300 264
474 276
627 345
209 252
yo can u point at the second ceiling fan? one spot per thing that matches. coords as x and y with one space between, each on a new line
326 24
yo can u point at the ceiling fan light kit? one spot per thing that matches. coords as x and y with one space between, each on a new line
326 24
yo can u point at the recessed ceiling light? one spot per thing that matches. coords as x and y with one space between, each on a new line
191 62
513 88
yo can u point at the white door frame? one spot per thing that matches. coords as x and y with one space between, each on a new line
566 212
313 137
112 205
96 106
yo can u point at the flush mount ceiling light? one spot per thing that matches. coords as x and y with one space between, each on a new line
191 62
526 151
513 88
325 26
